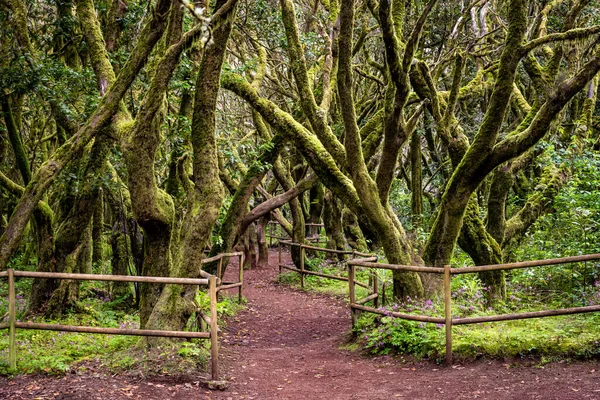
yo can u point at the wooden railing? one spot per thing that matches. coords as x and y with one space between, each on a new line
373 283
357 305
229 285
272 236
215 285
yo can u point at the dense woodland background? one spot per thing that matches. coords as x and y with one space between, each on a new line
138 136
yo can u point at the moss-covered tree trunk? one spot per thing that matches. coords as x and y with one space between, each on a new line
73 240
99 119
98 230
332 219
352 232
316 196
476 241
374 195
176 303
416 178
284 177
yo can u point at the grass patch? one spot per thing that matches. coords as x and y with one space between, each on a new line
59 352
562 337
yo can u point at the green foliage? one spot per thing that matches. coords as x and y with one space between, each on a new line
56 352
226 307
557 338
572 229
59 352
385 335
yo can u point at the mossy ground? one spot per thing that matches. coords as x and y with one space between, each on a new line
59 352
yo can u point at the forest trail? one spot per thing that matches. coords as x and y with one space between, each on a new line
286 345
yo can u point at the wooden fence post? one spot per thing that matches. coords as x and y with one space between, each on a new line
351 293
279 263
12 344
220 268
376 289
241 277
302 253
448 314
219 273
214 340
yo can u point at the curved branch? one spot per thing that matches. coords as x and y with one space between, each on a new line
312 149
573 34
271 204
516 144
316 115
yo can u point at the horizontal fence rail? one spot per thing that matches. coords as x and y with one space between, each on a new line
109 278
229 285
373 285
312 239
214 283
356 305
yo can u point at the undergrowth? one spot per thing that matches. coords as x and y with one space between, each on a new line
59 352
560 337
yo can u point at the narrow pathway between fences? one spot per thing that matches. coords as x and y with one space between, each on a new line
286 345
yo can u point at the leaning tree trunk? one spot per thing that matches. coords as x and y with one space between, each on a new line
74 234
332 219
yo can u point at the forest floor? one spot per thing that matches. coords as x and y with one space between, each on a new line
287 344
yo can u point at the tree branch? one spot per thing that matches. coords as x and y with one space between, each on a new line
573 34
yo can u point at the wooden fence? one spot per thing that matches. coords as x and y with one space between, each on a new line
215 285
357 305
373 283
229 285
271 235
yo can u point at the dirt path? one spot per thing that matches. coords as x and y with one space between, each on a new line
285 345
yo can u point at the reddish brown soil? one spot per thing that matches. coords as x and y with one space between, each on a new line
285 345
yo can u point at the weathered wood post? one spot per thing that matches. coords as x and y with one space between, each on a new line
219 273
448 314
12 344
302 254
220 268
241 277
376 288
279 250
214 339
352 295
